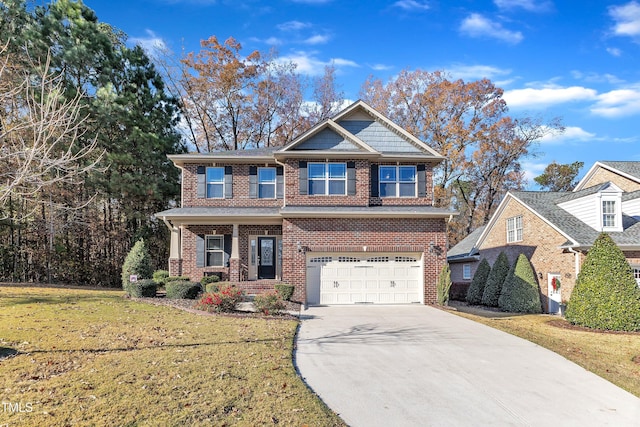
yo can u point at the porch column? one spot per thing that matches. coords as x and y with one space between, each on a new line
234 259
175 252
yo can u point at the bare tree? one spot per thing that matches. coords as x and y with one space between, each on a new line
39 133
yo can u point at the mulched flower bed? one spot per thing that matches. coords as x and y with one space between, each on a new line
562 323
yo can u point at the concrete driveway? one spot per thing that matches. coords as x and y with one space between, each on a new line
419 366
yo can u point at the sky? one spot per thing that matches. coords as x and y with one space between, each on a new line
574 59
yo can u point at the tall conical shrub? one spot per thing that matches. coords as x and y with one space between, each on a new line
444 285
520 292
476 289
606 295
137 262
495 281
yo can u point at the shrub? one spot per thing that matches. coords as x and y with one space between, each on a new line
520 292
476 289
142 288
606 295
177 279
225 300
137 263
212 287
444 285
209 279
183 289
269 303
284 290
160 277
495 281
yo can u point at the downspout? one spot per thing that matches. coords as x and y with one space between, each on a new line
576 261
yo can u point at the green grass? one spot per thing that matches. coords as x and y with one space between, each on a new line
87 357
613 356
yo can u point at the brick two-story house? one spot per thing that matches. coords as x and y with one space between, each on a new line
555 230
344 213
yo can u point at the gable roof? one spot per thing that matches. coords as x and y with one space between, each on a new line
544 204
627 169
466 248
365 132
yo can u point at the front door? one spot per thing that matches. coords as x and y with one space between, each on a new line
266 257
553 283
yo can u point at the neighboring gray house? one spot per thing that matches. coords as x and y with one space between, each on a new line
463 261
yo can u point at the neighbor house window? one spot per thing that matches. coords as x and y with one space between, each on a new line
215 183
214 251
608 213
636 274
267 183
397 181
327 178
466 271
514 229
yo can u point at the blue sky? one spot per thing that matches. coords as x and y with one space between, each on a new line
577 59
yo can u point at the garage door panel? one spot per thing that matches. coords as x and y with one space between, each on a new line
349 278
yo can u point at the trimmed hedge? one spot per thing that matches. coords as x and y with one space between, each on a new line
284 290
520 292
183 290
160 277
269 303
142 288
212 287
137 263
209 279
177 279
495 281
476 289
606 295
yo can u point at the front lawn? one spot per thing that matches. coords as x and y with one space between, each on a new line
91 357
613 356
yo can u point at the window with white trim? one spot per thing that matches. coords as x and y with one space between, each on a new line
636 274
215 183
327 179
514 229
214 251
466 271
398 181
608 213
266 183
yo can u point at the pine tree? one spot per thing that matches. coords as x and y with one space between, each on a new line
476 289
495 281
136 263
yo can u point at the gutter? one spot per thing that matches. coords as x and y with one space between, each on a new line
284 182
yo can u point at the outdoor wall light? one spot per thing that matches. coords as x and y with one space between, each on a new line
299 247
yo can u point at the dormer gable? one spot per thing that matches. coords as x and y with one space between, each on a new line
600 207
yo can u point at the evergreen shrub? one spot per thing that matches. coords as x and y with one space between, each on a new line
476 289
495 281
142 288
444 285
182 289
520 292
284 290
136 263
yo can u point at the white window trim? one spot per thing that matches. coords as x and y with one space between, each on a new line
466 271
512 226
207 250
617 214
326 179
398 182
275 178
207 182
636 273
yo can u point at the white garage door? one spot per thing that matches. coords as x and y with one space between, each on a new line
350 278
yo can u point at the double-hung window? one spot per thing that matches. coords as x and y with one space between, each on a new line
514 229
398 181
636 274
466 271
608 213
215 183
327 179
267 183
214 251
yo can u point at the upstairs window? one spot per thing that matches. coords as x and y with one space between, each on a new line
327 179
215 183
514 229
608 213
214 251
397 181
267 183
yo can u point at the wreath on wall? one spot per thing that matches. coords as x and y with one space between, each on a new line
555 283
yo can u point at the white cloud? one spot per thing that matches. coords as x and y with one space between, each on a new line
381 67
475 72
476 25
411 5
152 44
570 134
618 103
596 77
614 51
627 19
317 39
532 97
308 63
293 26
529 5
532 170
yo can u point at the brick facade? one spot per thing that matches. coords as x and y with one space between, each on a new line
600 176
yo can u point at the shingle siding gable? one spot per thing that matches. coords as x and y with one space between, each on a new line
379 137
327 139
